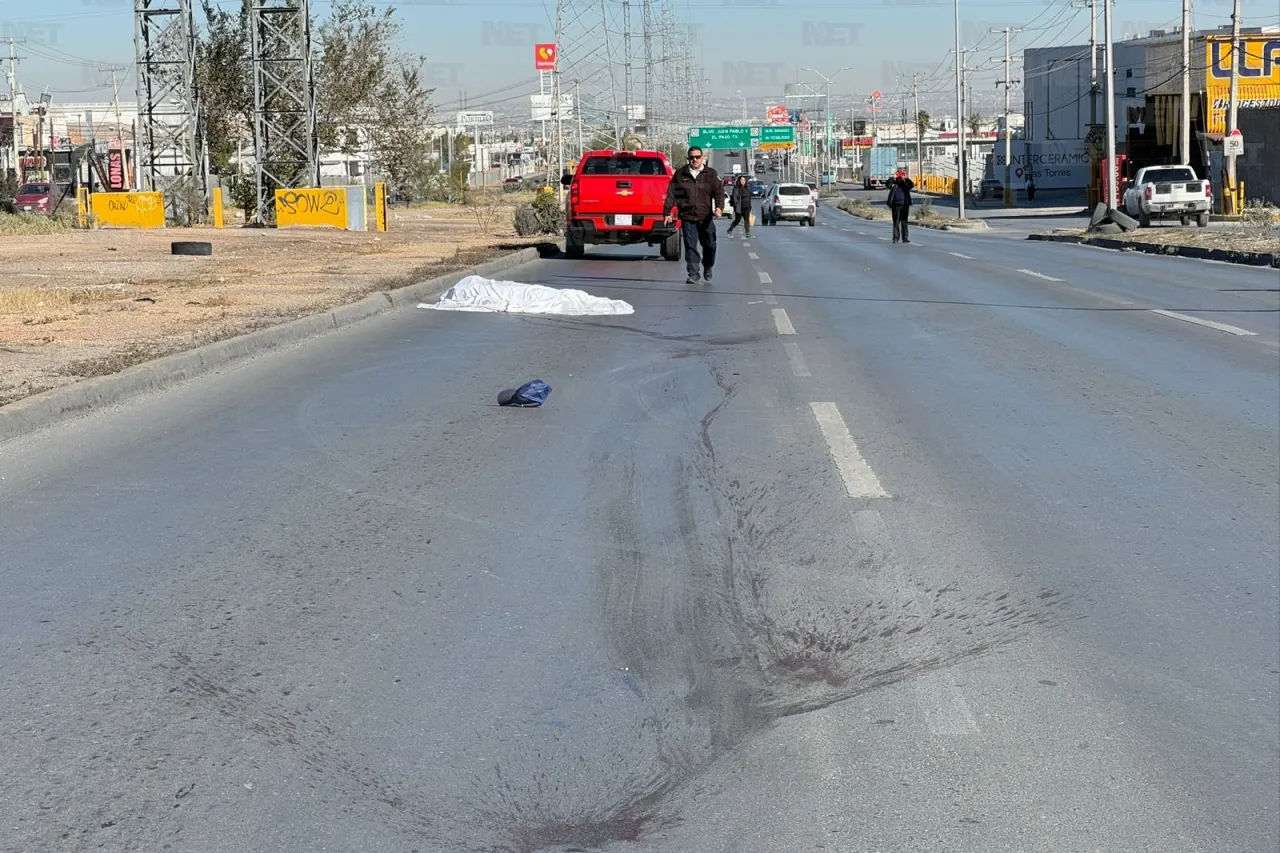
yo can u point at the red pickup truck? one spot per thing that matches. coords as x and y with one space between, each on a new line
616 198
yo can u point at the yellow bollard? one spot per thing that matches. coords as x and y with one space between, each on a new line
82 207
217 207
380 206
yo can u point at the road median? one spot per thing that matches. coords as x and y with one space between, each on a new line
1132 243
43 409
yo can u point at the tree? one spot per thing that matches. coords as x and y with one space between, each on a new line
224 83
922 122
400 139
975 123
352 70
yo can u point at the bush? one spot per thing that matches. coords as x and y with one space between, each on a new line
540 216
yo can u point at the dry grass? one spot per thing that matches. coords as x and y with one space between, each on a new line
88 303
20 224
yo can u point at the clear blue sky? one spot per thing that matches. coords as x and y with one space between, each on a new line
484 47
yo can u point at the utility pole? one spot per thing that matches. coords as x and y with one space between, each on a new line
1109 71
959 119
915 92
1184 121
1008 82
1233 105
13 107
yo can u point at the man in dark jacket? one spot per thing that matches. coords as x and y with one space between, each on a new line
900 187
696 195
740 198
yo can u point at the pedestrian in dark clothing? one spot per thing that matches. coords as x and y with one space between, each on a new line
900 187
696 195
740 198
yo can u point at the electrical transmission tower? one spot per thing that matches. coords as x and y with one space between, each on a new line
284 109
169 148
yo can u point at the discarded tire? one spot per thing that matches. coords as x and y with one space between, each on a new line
190 247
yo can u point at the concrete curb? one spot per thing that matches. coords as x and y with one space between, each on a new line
976 225
1229 256
41 410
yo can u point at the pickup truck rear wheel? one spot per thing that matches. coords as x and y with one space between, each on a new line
1144 220
573 246
1186 220
671 247
1202 220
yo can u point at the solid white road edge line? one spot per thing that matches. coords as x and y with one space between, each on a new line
798 367
1221 327
783 322
1040 275
859 480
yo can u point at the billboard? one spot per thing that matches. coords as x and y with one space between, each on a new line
778 115
544 57
541 107
1055 165
1259 84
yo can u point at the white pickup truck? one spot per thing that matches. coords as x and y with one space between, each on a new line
1168 192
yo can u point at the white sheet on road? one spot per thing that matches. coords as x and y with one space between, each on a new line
475 293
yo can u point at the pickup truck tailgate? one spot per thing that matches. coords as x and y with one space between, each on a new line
621 184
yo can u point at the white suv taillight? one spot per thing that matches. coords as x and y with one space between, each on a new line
1148 192
1208 190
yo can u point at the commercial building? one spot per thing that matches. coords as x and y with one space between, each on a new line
1065 115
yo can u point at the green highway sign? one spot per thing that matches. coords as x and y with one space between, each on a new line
772 137
721 137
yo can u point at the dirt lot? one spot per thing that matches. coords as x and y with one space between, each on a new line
1240 237
76 304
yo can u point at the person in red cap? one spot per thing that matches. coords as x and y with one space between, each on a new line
900 187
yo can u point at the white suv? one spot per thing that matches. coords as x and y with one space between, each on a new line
792 202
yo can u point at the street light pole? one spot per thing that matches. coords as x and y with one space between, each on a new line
826 120
1109 83
959 120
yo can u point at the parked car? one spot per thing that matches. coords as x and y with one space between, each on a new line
34 198
616 197
1168 192
789 202
990 188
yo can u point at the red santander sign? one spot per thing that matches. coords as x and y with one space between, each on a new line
544 57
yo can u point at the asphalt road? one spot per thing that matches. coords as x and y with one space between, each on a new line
955 546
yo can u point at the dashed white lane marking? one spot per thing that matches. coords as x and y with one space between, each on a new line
859 480
783 322
798 367
765 278
878 237
1221 327
746 245
958 255
753 256
1040 275
769 297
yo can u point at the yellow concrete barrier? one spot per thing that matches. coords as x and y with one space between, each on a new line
217 207
325 206
128 210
